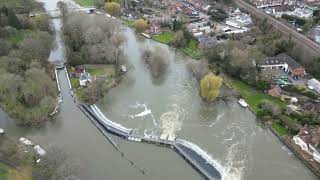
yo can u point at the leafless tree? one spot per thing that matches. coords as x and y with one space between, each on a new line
156 61
198 69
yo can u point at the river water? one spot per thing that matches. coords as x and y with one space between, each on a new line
229 133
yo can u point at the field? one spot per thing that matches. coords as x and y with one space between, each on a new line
254 97
166 37
85 2
192 50
8 173
4 172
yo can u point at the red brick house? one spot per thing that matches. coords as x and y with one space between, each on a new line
275 91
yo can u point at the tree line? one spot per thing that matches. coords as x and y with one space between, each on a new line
27 90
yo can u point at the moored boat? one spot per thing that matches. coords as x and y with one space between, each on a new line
243 103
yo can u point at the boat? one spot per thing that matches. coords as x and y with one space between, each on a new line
123 68
243 103
26 141
1 131
145 35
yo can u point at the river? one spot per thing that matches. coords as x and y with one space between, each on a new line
229 133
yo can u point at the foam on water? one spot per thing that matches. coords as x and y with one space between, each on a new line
145 112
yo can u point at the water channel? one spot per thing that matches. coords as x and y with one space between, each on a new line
229 133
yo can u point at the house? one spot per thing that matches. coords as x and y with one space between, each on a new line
286 63
275 91
207 42
309 140
155 28
315 84
84 78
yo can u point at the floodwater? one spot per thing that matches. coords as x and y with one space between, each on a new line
229 133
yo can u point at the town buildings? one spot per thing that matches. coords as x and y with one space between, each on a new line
315 84
286 63
309 140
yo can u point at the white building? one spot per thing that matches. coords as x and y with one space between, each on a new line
84 78
315 84
311 150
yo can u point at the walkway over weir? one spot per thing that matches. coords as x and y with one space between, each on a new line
193 154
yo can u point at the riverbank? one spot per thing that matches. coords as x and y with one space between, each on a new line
255 98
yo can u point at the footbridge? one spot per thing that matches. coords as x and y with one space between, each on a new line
193 154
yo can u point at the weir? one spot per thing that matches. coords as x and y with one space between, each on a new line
193 154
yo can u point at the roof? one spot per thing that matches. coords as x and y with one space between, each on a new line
281 59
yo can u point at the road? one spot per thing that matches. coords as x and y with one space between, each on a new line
309 45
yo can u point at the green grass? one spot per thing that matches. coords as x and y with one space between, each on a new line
254 97
85 2
128 23
166 37
101 70
279 129
4 172
192 50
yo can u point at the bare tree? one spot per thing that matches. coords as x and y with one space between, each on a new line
198 69
57 165
156 61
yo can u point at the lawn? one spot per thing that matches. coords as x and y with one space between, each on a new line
129 23
166 37
108 71
4 172
279 129
254 97
101 70
192 50
85 2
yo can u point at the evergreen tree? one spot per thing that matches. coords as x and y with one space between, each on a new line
13 20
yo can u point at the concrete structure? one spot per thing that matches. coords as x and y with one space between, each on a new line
315 84
197 158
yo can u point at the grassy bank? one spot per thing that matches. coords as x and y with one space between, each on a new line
5 172
279 129
85 2
166 37
192 50
254 97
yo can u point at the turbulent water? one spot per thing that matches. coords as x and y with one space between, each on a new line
236 143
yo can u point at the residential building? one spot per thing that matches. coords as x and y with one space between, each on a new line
261 4
286 63
315 84
155 28
309 140
207 42
84 78
275 91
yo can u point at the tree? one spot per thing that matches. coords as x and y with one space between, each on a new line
13 20
210 87
140 25
94 91
198 69
112 8
179 39
63 8
156 61
57 164
264 26
218 14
